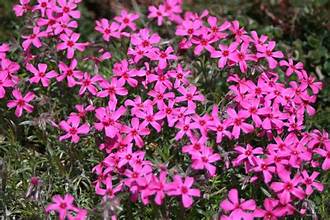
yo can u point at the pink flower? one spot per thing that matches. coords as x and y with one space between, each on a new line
203 42
218 126
21 102
109 192
247 154
82 112
292 68
159 187
64 25
67 8
144 39
70 44
33 38
41 74
135 132
258 41
44 5
196 145
224 53
108 119
158 13
150 117
162 56
112 88
309 182
272 211
4 48
202 160
22 8
252 106
127 20
266 51
169 111
238 208
160 96
190 95
162 80
183 188
185 128
189 28
180 76
239 32
325 152
238 122
122 71
108 30
264 166
241 56
217 31
89 83
4 83
73 129
138 175
70 73
287 187
62 205
271 117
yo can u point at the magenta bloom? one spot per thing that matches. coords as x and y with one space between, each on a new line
127 20
4 83
238 208
242 56
70 73
247 154
238 122
266 51
287 187
67 8
190 94
41 74
224 53
70 44
203 159
108 118
291 67
62 205
89 83
33 38
160 187
204 42
135 132
158 13
272 210
162 56
73 129
65 208
108 30
183 188
21 102
22 8
310 183
109 192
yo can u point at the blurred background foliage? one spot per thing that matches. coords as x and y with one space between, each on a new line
301 27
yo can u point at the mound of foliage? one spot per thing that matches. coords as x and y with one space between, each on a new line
172 114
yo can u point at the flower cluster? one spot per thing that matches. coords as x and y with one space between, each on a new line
149 93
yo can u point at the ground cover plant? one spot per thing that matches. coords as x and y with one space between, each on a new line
167 114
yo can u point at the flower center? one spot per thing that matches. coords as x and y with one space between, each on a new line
63 205
184 190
